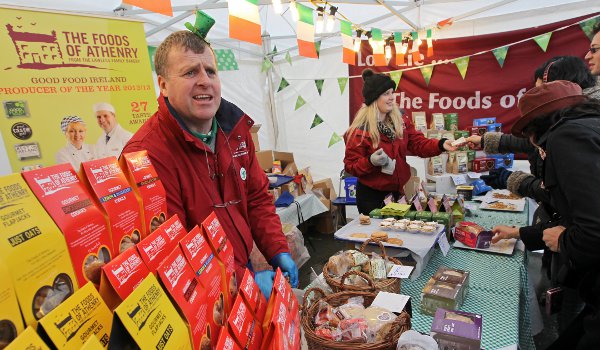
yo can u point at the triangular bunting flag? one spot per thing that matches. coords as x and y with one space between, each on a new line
158 6
283 84
299 102
274 50
588 27
462 64
316 121
319 84
342 83
348 54
244 21
305 31
318 48
396 75
500 54
335 138
427 71
543 40
151 51
266 65
288 58
226 60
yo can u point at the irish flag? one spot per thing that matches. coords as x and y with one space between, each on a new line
244 21
378 47
347 42
305 32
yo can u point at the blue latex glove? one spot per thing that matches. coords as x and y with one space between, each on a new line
264 280
285 262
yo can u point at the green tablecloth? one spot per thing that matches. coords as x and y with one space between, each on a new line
498 287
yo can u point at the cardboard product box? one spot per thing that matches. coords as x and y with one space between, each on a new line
440 294
419 120
495 127
121 276
253 297
265 160
107 182
454 276
293 188
92 344
275 193
307 179
33 250
473 235
282 331
223 250
484 121
82 223
148 189
226 341
288 165
201 258
324 190
437 121
147 319
453 329
254 133
504 160
83 315
12 322
481 165
478 130
185 290
243 326
423 216
157 246
27 340
451 121
471 157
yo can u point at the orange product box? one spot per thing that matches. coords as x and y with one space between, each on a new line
201 258
243 326
157 246
148 189
121 276
107 182
217 238
82 223
185 289
226 341
253 297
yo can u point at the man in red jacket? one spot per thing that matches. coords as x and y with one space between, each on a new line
201 147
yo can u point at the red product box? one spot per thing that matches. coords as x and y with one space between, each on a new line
478 130
243 326
473 235
202 260
121 276
282 331
226 341
157 246
217 238
148 189
82 223
105 179
181 283
253 297
481 165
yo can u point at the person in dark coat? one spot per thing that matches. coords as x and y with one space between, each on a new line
564 126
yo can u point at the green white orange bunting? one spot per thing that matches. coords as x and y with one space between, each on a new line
348 55
244 21
305 32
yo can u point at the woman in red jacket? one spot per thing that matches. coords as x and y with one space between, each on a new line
378 142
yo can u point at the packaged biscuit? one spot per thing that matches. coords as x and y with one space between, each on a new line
201 258
454 276
437 121
12 323
243 326
440 294
253 297
107 182
462 161
451 165
27 340
473 235
226 341
82 223
435 166
453 329
451 121
157 246
220 245
148 189
484 121
420 121
148 320
83 315
33 250
121 276
185 289
481 165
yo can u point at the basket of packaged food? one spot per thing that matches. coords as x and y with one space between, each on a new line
373 265
347 320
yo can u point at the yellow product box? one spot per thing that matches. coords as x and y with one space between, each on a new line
148 319
12 323
83 315
92 344
28 340
34 251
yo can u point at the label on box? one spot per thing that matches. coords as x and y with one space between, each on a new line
108 183
11 315
121 276
400 271
391 301
458 179
148 187
83 224
33 250
157 246
183 286
92 344
240 322
82 315
148 318
252 296
28 340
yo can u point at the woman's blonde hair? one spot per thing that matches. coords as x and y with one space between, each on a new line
366 119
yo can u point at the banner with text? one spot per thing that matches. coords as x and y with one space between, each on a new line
57 65
488 89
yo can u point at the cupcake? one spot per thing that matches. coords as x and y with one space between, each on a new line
428 228
399 226
413 228
385 225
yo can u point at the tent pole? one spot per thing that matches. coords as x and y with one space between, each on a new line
266 47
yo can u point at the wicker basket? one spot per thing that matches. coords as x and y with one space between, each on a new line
391 285
400 325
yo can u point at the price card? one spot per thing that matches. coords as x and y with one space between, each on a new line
400 271
458 179
473 175
391 301
443 243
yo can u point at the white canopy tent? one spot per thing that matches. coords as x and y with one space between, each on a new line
284 128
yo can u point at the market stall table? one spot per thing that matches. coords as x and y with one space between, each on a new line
303 208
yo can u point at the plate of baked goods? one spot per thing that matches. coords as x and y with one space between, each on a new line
503 205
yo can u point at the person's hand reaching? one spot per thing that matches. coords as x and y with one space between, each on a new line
264 280
287 265
497 178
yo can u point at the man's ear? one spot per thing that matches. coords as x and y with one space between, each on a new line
162 85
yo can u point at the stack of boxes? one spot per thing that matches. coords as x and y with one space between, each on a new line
446 289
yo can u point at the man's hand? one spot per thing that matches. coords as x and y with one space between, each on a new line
379 158
264 280
505 232
285 262
551 236
497 178
475 139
